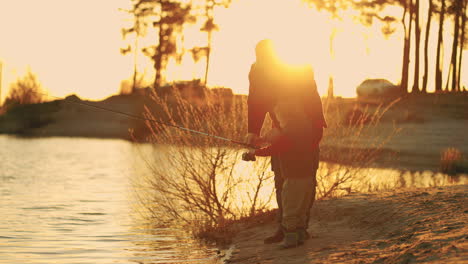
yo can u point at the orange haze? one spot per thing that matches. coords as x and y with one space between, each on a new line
73 46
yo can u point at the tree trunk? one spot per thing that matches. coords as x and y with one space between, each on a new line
330 91
158 56
426 48
448 78
135 65
456 30
209 8
462 43
439 56
208 53
407 47
417 43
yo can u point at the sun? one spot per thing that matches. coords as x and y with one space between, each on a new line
245 23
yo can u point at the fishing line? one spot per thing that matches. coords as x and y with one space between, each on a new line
148 119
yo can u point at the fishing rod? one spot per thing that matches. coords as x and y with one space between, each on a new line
137 117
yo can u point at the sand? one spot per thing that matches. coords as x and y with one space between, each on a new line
403 226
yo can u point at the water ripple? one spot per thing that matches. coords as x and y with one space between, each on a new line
71 204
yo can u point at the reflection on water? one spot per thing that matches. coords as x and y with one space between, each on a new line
245 184
372 179
388 179
66 200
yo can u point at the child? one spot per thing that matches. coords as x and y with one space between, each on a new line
297 150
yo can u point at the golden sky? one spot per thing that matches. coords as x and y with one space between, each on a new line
73 46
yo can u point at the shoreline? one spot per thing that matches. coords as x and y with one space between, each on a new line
424 225
429 124
406 167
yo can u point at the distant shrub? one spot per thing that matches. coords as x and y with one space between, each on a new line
30 116
411 117
356 116
26 90
128 87
198 180
453 162
353 142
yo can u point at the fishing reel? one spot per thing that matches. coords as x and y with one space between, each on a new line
248 156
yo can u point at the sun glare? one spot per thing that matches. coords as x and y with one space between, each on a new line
301 35
288 23
77 50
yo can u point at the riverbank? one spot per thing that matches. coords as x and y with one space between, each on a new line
119 116
402 226
427 124
74 117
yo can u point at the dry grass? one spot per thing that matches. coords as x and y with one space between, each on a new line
201 182
453 162
352 142
197 180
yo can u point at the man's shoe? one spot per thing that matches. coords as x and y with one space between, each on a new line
291 240
275 238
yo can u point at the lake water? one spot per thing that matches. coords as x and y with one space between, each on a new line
70 200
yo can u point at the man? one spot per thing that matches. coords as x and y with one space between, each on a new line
276 85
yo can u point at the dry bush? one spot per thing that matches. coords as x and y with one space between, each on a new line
353 141
128 87
26 90
196 179
453 162
201 181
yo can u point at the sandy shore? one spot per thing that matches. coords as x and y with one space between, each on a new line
403 226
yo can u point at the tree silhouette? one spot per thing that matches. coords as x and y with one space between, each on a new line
209 27
462 41
167 17
333 7
26 90
372 8
417 34
138 28
456 8
407 4
439 56
426 45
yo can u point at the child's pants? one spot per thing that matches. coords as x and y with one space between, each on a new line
296 189
297 196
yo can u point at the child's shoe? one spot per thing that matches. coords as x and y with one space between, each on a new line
291 240
277 237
